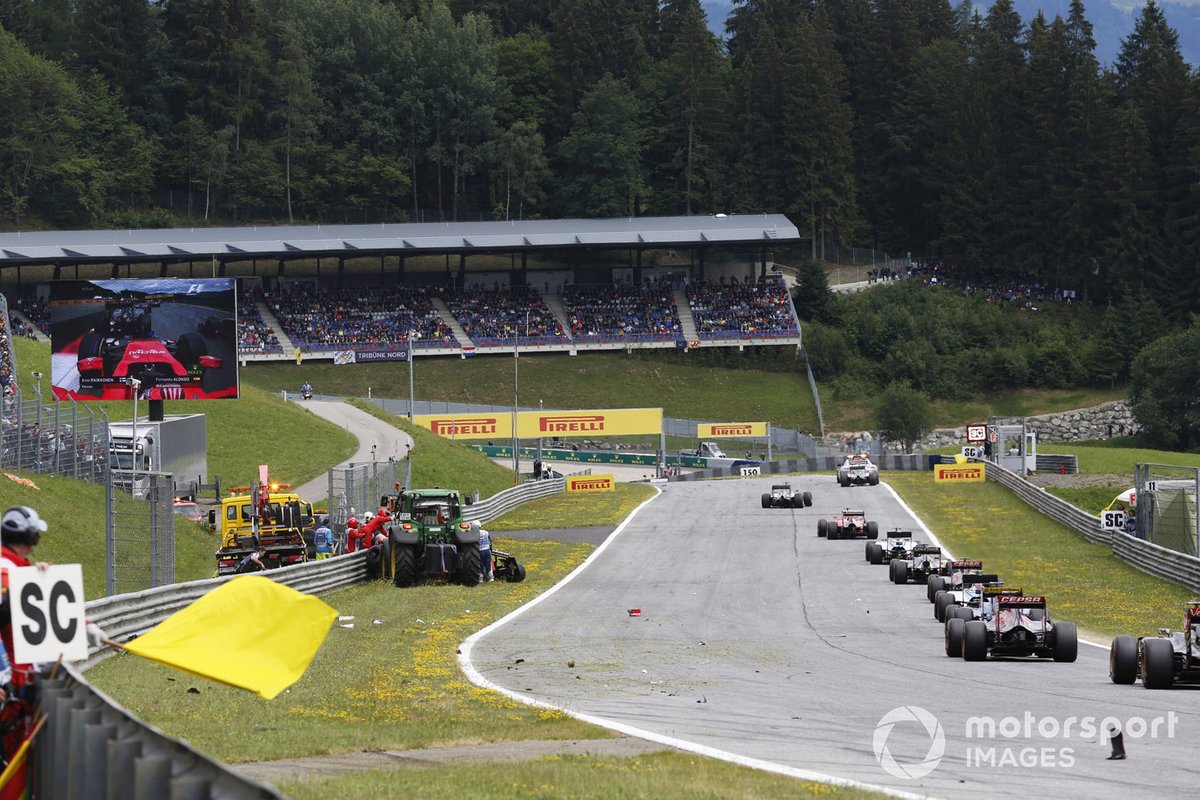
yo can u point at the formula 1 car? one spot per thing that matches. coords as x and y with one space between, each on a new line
969 593
783 496
1163 660
857 470
952 578
1020 626
926 560
898 544
848 525
125 348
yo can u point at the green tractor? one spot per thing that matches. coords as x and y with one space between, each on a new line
428 537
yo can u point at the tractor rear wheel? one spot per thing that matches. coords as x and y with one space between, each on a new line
1122 660
404 565
469 565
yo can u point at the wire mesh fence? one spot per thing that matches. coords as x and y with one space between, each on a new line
1166 506
139 531
55 438
355 490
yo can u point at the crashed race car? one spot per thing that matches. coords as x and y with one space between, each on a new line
926 560
849 524
952 578
1160 661
857 470
898 544
1012 626
968 594
783 496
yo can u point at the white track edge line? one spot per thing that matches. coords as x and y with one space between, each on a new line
477 678
933 538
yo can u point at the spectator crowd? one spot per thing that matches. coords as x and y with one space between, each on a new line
622 313
334 319
498 316
747 310
254 335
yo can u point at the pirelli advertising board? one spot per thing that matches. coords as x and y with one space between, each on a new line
545 424
591 483
959 473
725 430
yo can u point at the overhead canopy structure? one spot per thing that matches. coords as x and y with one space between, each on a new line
174 245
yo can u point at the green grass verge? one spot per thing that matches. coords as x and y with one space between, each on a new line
656 776
393 685
575 509
437 461
589 380
1105 458
1083 582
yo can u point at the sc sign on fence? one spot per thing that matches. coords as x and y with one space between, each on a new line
48 613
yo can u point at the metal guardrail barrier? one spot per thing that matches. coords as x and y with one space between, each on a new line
819 464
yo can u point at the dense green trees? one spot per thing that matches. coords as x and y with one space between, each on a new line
911 125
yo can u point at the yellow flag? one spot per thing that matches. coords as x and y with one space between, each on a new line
252 633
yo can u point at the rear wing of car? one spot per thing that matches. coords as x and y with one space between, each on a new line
784 486
998 591
853 513
960 564
899 534
926 550
972 578
1021 601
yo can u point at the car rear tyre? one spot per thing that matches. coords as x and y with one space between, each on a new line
872 530
875 553
1066 642
899 571
832 530
188 350
974 643
822 528
933 585
808 498
874 481
956 611
766 501
1122 660
954 637
941 601
1158 663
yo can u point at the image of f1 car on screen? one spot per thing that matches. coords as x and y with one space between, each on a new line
952 578
1160 661
1012 625
125 347
782 495
897 544
849 524
858 470
926 560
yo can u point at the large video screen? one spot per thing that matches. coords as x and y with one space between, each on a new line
154 339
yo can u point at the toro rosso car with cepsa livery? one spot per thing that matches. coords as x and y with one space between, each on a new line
1019 627
125 349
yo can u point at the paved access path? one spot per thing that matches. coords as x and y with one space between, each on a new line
388 441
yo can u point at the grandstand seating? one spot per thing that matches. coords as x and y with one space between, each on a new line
378 318
498 317
622 313
742 310
254 335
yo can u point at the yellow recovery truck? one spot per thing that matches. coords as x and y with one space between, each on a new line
265 513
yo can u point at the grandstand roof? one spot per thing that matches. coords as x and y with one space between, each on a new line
292 241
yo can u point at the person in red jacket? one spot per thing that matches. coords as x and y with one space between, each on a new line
354 535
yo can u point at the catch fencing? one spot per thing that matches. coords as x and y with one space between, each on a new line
53 438
139 530
1166 506
354 490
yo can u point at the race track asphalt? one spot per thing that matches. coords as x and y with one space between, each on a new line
387 440
757 640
